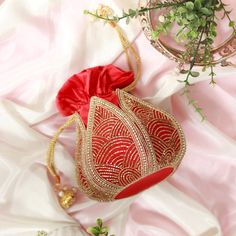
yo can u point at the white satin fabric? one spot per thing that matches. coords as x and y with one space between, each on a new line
42 43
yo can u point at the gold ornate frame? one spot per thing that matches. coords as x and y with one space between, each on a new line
221 53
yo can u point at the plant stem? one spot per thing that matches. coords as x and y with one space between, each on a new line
227 14
187 84
139 11
194 57
194 104
212 76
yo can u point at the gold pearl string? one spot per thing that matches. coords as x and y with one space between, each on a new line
66 194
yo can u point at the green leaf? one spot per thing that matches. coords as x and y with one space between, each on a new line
42 233
198 109
93 230
185 21
231 23
193 34
203 22
214 33
154 35
132 13
99 223
181 10
127 20
194 73
197 4
97 228
190 16
184 71
206 11
210 40
183 37
104 230
190 5
180 31
192 101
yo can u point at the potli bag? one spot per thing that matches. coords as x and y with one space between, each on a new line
124 145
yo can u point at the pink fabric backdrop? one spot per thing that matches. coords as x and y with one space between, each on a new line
41 45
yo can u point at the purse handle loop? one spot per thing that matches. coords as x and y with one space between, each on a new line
51 149
67 195
128 48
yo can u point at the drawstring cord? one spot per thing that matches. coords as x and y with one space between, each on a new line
66 194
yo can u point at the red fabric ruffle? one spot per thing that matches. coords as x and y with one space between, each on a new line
100 81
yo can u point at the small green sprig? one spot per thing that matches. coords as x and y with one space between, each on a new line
131 13
197 24
99 229
222 6
42 233
194 104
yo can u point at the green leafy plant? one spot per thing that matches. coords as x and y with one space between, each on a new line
99 229
196 21
42 233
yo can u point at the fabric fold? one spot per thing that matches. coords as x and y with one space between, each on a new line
42 43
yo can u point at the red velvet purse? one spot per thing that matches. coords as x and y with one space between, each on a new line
124 144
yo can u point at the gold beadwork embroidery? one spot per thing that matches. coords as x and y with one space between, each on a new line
105 188
112 112
128 136
177 140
